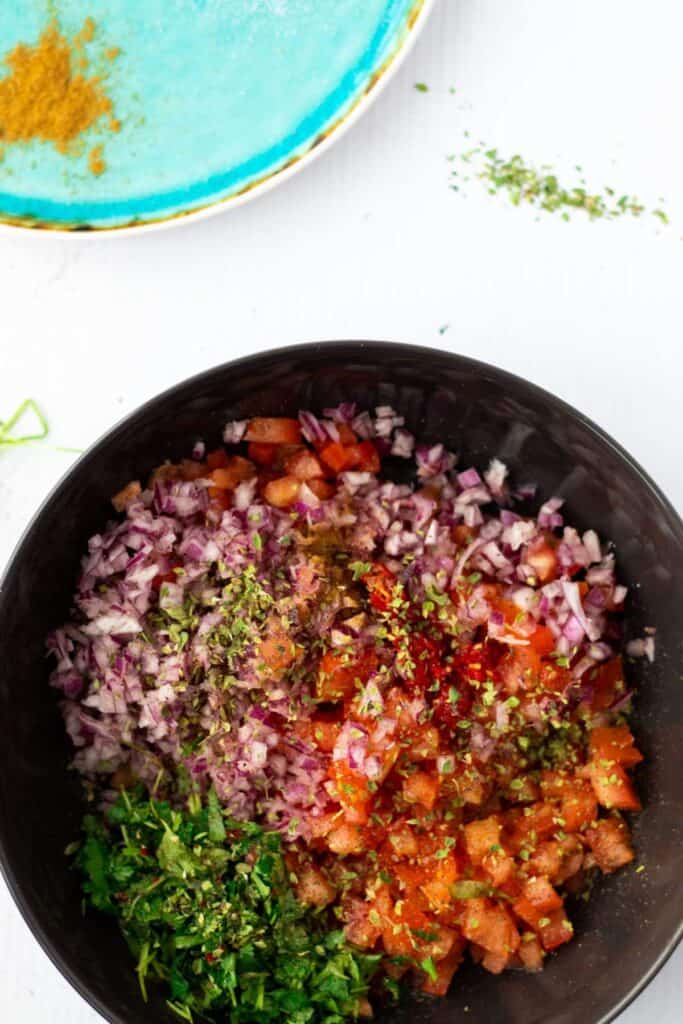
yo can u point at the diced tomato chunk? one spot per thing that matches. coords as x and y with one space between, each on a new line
519 669
220 498
126 495
341 674
491 926
346 434
543 641
421 788
444 970
607 682
364 457
542 558
539 899
499 867
556 931
283 492
262 454
495 963
304 465
557 859
346 839
312 887
614 743
273 430
228 477
335 457
322 489
578 807
612 786
325 734
482 837
531 953
611 844
217 459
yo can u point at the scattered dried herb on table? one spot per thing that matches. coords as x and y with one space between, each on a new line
540 187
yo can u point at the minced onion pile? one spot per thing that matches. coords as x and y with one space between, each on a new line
212 614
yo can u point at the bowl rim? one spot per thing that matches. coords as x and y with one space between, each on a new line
251 361
415 22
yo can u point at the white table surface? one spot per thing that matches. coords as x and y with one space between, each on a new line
369 242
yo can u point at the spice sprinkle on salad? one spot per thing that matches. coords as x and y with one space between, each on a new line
338 733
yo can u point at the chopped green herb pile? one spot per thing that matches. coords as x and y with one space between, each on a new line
206 906
7 428
540 187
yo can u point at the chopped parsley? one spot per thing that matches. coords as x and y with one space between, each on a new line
206 907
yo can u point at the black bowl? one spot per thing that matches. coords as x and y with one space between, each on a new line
634 920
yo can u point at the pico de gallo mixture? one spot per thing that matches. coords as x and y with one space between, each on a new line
338 733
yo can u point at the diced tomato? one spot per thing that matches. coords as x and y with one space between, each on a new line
346 839
578 806
490 926
304 465
421 788
519 669
262 454
273 430
543 641
346 434
543 560
607 681
360 930
340 674
402 842
557 859
614 743
531 953
444 970
325 734
495 963
313 889
335 457
190 469
539 899
557 931
499 867
126 495
536 822
322 489
612 786
220 498
364 457
352 792
276 650
424 743
482 837
553 678
440 875
611 844
228 477
217 459
283 492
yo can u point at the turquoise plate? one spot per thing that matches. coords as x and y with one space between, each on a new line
216 99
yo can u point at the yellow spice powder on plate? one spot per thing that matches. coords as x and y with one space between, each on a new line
47 95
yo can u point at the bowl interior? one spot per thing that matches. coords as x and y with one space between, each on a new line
632 921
